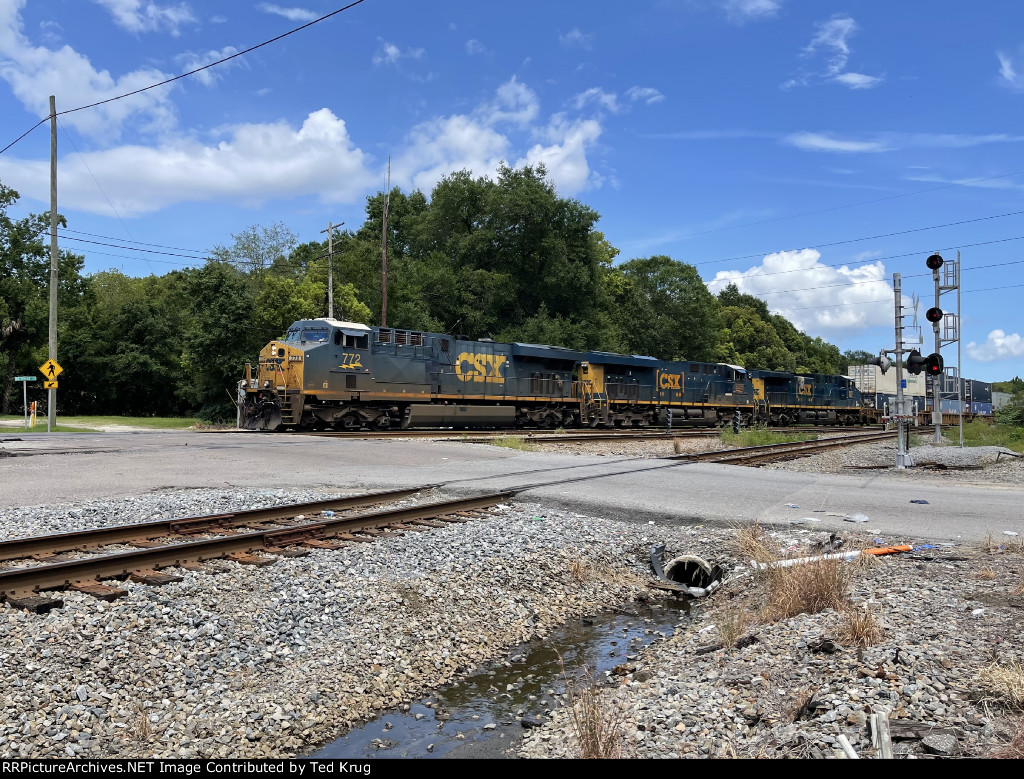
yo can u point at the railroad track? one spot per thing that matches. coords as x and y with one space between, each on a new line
760 455
240 538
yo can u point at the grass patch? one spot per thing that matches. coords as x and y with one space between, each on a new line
1013 750
42 429
1006 683
512 442
595 722
805 588
92 423
985 574
978 433
860 628
753 542
763 438
732 622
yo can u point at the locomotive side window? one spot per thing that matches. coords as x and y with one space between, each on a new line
315 334
357 341
445 345
694 368
337 337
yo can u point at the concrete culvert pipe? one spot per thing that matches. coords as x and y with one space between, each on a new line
695 573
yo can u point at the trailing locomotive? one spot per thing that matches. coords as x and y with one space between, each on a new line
325 373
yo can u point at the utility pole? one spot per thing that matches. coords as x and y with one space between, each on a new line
903 458
330 267
51 403
384 255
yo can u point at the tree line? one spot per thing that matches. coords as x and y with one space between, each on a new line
503 258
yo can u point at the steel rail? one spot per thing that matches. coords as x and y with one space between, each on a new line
768 452
82 540
26 581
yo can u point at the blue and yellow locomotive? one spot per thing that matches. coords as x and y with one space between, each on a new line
330 374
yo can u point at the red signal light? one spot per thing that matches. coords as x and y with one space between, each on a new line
933 364
934 262
933 315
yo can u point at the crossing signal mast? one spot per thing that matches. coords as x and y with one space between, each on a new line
944 383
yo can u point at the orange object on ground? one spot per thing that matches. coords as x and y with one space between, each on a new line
888 549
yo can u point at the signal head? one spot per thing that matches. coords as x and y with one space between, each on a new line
915 362
933 315
933 364
934 262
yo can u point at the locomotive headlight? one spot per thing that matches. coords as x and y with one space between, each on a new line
266 384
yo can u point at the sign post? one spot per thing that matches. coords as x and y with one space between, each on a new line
24 393
51 370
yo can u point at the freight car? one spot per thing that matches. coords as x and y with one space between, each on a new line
326 373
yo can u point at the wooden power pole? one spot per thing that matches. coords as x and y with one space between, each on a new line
330 267
384 256
51 402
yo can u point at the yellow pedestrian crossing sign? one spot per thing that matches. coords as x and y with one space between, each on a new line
51 370
49 385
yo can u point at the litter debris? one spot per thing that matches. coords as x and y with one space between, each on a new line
855 517
810 519
922 502
977 612
1010 533
792 506
881 550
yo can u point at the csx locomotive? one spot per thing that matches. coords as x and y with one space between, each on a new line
330 374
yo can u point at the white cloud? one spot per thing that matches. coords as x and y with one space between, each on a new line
576 39
293 14
829 53
745 10
1011 78
139 16
190 60
609 101
473 46
649 95
565 157
816 298
858 80
249 164
998 346
821 142
35 72
390 54
889 141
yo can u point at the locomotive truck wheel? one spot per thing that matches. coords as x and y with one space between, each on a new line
351 422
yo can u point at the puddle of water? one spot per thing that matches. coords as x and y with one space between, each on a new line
487 706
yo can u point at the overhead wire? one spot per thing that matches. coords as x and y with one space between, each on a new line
192 72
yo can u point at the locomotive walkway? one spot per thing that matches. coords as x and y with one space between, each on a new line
109 465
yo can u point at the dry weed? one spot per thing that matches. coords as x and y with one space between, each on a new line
753 542
805 588
143 730
987 574
860 628
1019 589
1005 682
732 622
677 445
989 545
866 562
596 722
1014 750
579 570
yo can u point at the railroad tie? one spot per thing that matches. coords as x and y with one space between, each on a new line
97 590
319 543
350 537
248 559
426 523
282 552
154 578
35 604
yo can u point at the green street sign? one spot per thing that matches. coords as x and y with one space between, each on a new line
24 378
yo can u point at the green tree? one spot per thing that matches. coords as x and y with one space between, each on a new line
750 341
665 310
1013 412
258 248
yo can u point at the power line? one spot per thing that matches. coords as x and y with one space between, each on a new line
146 243
866 238
190 72
965 183
134 248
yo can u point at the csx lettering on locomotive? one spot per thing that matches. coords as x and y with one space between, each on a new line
670 381
476 367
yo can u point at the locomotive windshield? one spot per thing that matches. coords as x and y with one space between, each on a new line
308 334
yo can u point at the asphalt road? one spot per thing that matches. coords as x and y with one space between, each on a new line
66 468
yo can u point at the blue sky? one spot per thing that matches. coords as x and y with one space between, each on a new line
769 142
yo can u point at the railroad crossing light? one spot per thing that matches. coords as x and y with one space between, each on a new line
933 315
933 364
882 362
916 363
934 262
